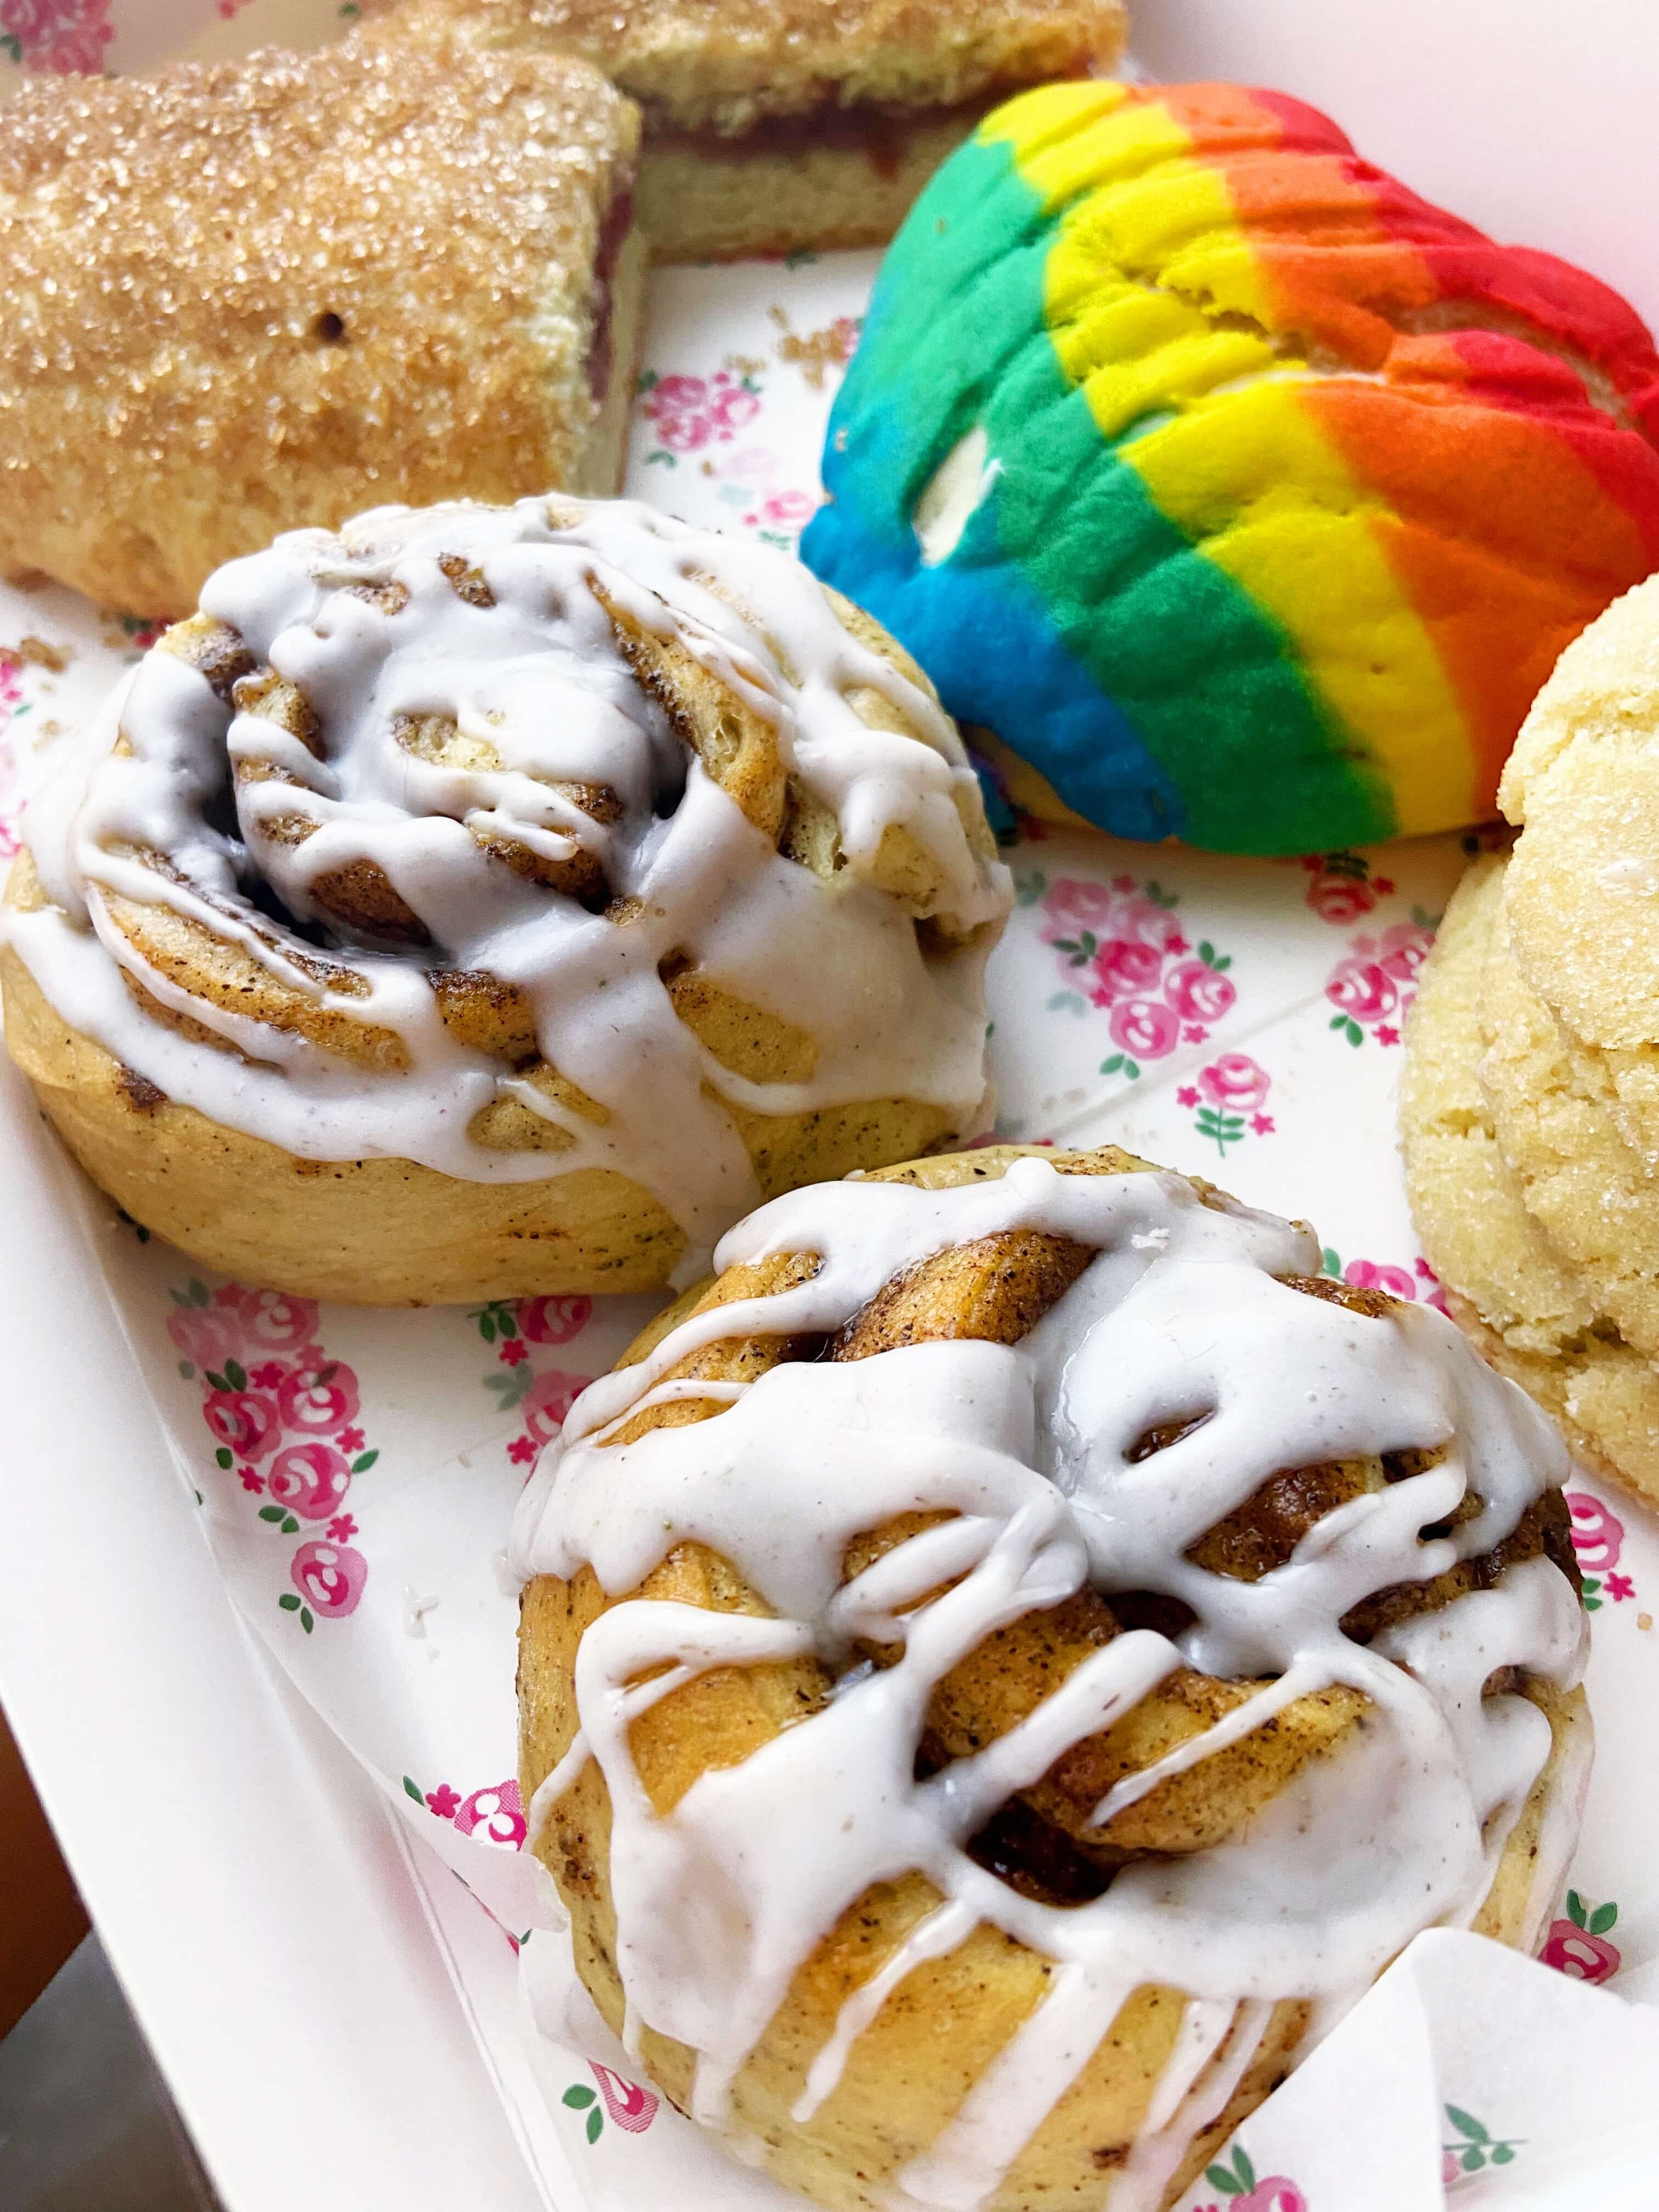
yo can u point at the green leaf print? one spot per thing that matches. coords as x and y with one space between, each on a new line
578 2096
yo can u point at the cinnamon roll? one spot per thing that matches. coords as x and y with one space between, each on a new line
1006 1665
488 901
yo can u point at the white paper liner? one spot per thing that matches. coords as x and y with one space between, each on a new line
1236 1019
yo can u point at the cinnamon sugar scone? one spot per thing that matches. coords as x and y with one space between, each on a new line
798 123
1002 1662
249 297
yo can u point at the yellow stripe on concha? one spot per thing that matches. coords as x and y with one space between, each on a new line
1268 498
1139 269
1068 139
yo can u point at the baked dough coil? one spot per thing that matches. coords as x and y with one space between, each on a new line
489 901
1007 1660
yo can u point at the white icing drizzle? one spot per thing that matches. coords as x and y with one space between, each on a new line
720 1902
536 673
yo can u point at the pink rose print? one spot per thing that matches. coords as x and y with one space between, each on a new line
1238 2181
1235 1080
1598 1536
690 412
1362 990
549 1399
1368 1275
494 1815
310 1480
246 1422
788 511
1382 1275
632 2107
1145 1027
553 1321
1121 945
318 1400
1373 987
270 1321
1124 966
1199 994
1340 899
329 1578
1402 950
67 36
205 1337
1578 1946
1275 2194
1343 887
1230 1089
1576 1951
1069 900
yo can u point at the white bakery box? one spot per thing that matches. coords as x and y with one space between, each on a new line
339 2021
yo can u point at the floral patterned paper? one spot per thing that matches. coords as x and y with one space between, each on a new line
356 1471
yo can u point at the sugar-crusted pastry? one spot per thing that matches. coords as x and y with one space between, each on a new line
246 297
1507 1283
1530 1101
1244 495
800 123
487 901
1011 1658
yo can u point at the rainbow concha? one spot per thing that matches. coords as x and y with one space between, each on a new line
1245 496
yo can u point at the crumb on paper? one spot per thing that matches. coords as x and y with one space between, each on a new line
38 654
1645 1620
416 1608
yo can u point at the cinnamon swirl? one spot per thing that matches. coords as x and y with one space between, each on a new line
1021 1651
487 901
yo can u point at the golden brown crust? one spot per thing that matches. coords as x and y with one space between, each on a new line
249 296
722 65
910 2067
390 1231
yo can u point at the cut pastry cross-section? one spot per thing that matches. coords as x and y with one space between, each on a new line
794 125
489 901
1017 1655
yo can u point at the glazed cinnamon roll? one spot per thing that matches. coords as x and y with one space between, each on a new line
488 901
1010 1661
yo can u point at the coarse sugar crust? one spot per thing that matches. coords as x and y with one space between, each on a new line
1510 1284
246 296
722 66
